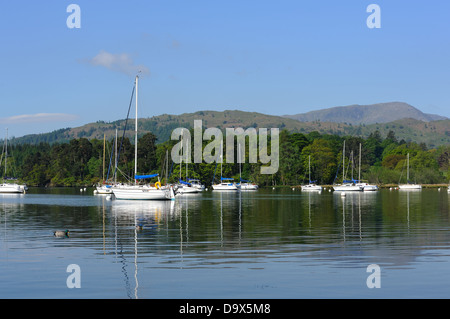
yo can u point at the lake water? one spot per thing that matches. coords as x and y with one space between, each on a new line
279 244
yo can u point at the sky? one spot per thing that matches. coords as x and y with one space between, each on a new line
273 57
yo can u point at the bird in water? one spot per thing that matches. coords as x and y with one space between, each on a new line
61 233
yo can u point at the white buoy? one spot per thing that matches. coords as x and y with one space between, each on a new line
95 191
273 187
343 194
108 197
293 188
84 189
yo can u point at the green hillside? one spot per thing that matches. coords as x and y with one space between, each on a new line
433 134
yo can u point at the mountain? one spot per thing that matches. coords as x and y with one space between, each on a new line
432 133
366 114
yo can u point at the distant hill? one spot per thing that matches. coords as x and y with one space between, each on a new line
433 133
366 114
163 125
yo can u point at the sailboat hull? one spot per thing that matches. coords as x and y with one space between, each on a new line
141 193
104 190
348 188
410 186
311 187
12 188
249 187
188 190
225 187
368 187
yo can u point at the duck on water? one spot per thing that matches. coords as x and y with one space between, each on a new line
61 233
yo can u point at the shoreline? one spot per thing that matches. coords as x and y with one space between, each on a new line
381 186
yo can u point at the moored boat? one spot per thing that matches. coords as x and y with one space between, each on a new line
136 191
311 186
409 185
7 187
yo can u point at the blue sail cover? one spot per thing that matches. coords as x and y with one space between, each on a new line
183 182
226 179
145 176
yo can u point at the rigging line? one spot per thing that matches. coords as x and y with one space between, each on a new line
109 165
401 175
110 160
124 175
337 172
126 123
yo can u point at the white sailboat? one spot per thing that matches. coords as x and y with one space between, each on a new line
185 187
346 185
311 186
245 185
10 187
106 188
141 192
197 184
248 186
226 184
409 185
366 186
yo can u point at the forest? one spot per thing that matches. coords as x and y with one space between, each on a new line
90 162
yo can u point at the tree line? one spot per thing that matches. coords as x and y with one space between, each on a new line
89 162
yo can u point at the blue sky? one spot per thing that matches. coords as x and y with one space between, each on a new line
273 57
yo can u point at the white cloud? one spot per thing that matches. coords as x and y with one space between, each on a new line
121 62
39 118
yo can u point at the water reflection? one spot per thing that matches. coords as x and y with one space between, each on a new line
280 234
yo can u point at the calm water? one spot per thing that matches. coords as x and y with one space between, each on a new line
265 244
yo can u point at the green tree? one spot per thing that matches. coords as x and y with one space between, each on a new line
147 153
323 165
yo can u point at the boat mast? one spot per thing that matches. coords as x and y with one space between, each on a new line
407 170
343 164
351 156
187 154
167 165
115 160
6 151
309 168
104 146
135 130
359 172
183 150
239 148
